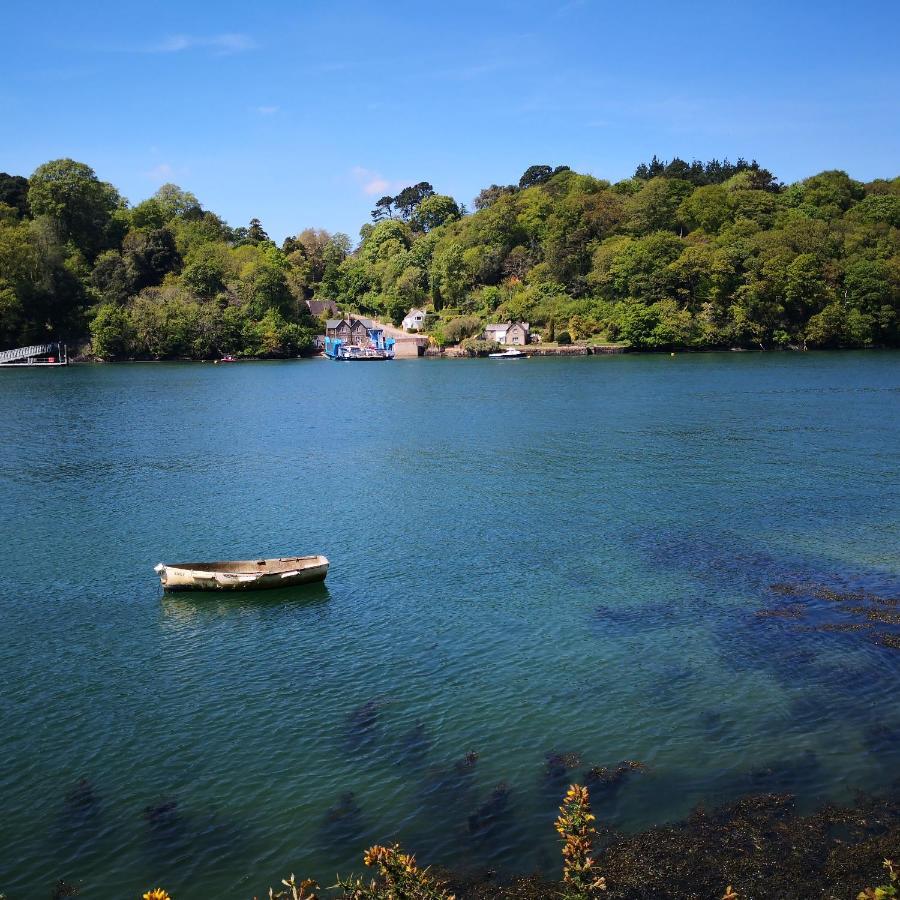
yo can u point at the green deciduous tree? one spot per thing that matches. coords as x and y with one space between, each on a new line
435 211
70 194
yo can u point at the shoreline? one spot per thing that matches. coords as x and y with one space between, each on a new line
758 843
529 350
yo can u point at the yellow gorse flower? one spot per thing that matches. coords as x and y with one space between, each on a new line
575 828
157 894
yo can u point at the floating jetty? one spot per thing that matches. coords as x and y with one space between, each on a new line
54 354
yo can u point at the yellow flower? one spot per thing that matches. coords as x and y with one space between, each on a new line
157 894
730 893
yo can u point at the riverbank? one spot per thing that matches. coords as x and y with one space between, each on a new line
759 845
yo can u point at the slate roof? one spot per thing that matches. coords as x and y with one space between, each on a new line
317 307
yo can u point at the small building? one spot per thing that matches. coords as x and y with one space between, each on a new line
415 320
338 328
323 307
508 333
355 331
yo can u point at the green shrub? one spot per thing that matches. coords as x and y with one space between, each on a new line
478 347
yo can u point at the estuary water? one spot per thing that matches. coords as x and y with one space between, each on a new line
553 564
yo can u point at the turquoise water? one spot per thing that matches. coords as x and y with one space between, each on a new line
551 556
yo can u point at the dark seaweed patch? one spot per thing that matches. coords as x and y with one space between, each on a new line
714 725
787 776
604 782
447 791
80 818
557 767
881 739
892 641
362 725
166 826
492 812
467 763
342 824
414 747
63 889
791 611
81 799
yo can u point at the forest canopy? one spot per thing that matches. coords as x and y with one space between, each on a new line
682 255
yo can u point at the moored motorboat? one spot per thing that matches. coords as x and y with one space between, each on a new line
242 574
512 353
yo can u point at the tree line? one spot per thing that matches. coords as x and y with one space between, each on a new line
681 255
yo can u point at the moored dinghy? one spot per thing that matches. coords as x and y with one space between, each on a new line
242 574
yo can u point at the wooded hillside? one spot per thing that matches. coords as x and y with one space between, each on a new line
681 255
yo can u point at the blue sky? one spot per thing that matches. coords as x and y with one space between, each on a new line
304 113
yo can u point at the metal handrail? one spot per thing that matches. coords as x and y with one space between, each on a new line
26 352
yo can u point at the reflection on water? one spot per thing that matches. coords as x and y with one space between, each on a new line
196 607
675 579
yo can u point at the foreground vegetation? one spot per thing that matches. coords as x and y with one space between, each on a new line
400 878
754 847
679 256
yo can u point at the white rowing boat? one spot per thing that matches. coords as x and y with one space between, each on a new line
242 574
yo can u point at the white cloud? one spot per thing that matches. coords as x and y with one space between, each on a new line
267 110
221 43
163 173
370 182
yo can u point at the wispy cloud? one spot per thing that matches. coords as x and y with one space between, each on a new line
372 183
221 44
267 110
162 173
571 6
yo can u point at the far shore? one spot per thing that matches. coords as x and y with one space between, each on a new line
531 350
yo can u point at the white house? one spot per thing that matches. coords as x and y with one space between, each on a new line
414 320
511 333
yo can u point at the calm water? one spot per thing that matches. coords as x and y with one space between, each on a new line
547 556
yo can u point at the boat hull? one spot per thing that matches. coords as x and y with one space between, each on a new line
243 575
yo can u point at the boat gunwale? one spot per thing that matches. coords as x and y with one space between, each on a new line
252 566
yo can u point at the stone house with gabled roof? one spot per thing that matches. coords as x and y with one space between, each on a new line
508 333
354 331
338 328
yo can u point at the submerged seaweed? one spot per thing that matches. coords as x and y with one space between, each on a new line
361 724
557 766
82 798
491 811
342 823
467 763
414 747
